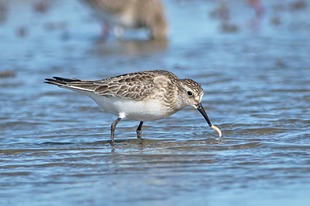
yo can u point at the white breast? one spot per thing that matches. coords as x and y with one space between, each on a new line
137 110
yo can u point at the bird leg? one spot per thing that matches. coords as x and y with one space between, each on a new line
139 131
105 29
113 126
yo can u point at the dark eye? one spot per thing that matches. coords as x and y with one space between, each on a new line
189 93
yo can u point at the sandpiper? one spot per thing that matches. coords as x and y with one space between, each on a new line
142 96
132 14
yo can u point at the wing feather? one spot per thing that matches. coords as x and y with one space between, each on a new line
136 86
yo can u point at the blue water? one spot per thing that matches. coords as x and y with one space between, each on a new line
255 72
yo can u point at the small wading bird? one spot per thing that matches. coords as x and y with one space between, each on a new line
142 96
131 14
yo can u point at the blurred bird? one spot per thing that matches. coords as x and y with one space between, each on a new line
131 14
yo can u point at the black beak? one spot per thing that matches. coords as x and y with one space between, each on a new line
200 108
203 112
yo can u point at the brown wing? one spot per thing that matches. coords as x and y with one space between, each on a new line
136 86
110 6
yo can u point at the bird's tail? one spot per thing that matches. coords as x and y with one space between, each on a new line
74 84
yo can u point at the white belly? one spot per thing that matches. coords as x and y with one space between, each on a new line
137 110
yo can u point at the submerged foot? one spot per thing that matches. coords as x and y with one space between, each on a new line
139 136
112 142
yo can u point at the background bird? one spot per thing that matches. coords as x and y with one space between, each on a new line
131 14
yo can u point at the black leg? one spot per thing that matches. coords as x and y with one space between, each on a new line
113 126
139 131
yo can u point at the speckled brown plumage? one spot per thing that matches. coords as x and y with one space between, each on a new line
143 96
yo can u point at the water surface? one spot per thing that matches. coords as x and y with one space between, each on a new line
253 67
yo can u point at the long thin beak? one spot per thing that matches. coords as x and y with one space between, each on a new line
202 111
200 108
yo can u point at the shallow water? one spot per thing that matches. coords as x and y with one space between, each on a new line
255 71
